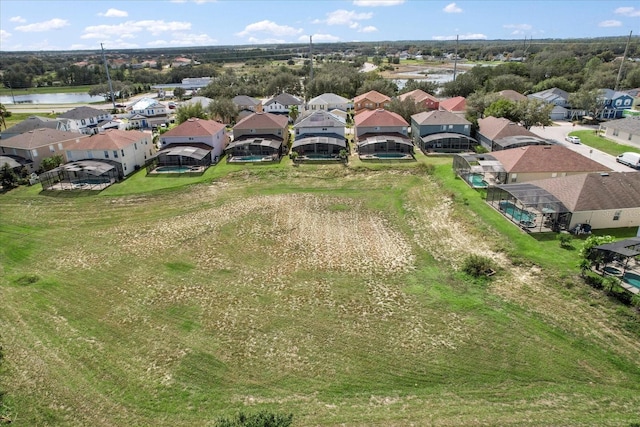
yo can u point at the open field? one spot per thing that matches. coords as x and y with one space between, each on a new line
334 293
44 89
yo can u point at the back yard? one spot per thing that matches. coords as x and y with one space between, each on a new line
332 293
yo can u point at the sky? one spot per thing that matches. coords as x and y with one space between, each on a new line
34 25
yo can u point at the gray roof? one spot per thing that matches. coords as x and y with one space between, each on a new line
184 151
203 100
284 99
80 113
329 98
446 135
629 124
628 247
549 95
384 138
40 138
32 123
91 167
320 119
242 100
439 118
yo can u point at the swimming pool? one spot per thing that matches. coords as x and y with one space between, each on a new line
632 278
612 271
253 158
519 215
391 155
477 180
173 169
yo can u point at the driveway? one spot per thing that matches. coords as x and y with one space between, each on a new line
560 130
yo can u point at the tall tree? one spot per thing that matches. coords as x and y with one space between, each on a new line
406 108
4 113
179 93
223 109
188 111
532 112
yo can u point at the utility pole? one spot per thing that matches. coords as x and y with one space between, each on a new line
455 60
311 56
624 56
106 67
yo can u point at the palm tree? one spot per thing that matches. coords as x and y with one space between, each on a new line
3 114
293 112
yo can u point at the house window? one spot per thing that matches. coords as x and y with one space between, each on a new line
115 154
466 127
618 102
615 132
450 127
252 131
52 149
34 153
616 215
297 131
122 152
554 175
324 129
135 145
83 121
125 166
91 120
514 177
444 127
106 154
60 146
69 155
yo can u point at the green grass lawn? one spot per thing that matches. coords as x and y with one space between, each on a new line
43 90
588 137
331 292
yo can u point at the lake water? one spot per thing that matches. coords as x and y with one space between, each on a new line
50 98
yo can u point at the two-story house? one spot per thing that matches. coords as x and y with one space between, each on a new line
33 123
560 100
442 131
422 98
319 135
280 104
85 119
615 102
371 100
207 135
128 149
33 146
329 102
259 137
154 112
496 134
382 133
246 105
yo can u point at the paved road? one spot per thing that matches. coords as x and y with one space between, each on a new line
61 108
561 129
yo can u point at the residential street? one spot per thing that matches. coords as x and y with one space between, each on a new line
561 129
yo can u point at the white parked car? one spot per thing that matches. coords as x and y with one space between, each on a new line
573 139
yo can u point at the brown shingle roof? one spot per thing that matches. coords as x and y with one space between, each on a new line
496 128
512 95
195 127
379 117
595 191
459 103
546 158
439 118
262 121
110 139
373 96
39 138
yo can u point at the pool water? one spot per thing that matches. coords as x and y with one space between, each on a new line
519 215
477 180
390 155
613 271
633 279
173 169
254 158
320 156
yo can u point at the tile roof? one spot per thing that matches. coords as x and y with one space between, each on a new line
195 127
595 191
418 95
262 121
546 158
499 127
373 96
379 117
39 138
111 139
439 118
459 103
80 113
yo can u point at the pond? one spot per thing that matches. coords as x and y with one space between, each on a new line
49 98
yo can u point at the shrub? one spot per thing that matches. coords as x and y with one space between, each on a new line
477 265
261 419
565 240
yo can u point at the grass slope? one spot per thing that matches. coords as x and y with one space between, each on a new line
333 293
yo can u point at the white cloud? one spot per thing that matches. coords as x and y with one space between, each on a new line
349 18
452 8
38 27
476 36
269 27
610 23
128 28
328 38
114 13
18 19
368 29
255 40
189 39
4 36
374 3
518 29
627 11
